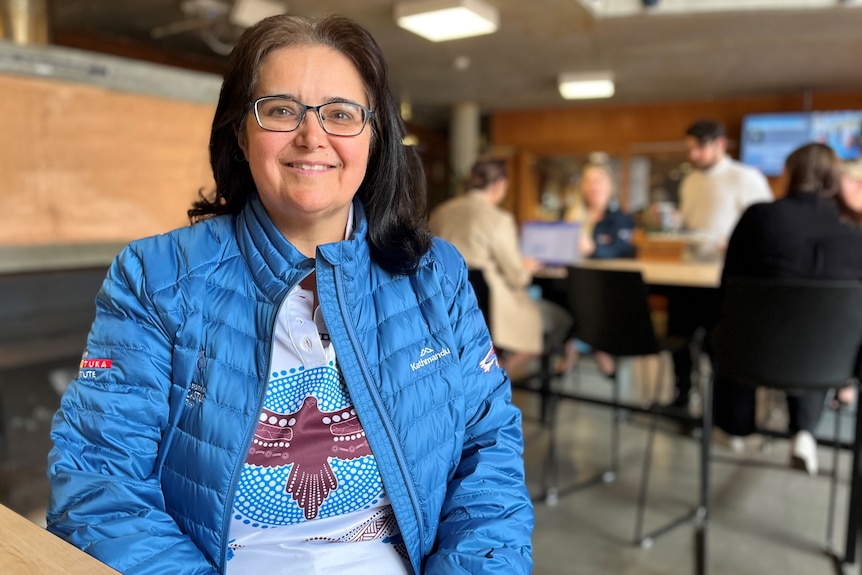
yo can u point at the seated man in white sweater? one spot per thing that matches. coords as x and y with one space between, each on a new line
713 196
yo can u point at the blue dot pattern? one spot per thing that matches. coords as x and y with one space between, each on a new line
261 500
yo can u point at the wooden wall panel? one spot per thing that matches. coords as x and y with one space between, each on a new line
615 129
81 163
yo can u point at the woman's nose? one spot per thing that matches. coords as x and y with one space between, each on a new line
310 132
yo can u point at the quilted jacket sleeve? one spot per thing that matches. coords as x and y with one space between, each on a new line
487 519
105 492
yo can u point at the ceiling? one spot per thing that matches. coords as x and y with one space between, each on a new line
654 55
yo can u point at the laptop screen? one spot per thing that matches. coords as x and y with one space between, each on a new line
552 243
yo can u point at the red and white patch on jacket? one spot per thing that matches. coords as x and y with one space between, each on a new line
88 363
490 360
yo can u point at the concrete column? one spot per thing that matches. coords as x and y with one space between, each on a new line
24 22
464 137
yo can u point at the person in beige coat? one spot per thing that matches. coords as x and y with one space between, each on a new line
487 237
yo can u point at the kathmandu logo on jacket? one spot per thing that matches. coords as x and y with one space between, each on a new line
428 356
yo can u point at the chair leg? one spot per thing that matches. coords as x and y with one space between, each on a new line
551 471
833 482
702 515
545 376
646 542
854 527
616 414
644 486
549 421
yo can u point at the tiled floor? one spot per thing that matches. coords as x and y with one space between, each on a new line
765 520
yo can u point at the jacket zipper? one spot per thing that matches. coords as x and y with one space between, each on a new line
249 438
375 396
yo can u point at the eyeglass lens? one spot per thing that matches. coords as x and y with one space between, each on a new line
285 115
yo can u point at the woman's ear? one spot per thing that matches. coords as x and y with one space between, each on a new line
242 141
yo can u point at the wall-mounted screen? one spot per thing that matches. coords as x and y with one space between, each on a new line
767 139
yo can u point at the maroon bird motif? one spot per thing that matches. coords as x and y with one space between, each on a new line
307 439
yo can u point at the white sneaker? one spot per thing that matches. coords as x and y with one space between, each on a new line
803 453
734 443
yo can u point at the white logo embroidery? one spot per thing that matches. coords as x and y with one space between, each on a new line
428 356
489 360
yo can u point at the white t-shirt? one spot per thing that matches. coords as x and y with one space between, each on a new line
712 200
310 498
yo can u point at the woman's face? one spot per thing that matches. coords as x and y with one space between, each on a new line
851 190
596 188
307 177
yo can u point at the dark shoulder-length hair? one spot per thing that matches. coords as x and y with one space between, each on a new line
814 169
393 190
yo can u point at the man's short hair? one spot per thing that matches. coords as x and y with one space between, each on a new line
706 131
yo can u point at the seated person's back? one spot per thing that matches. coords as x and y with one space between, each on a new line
811 233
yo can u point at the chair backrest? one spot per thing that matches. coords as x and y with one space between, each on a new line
611 311
476 278
789 333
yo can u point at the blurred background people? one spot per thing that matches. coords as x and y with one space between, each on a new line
712 198
487 237
811 233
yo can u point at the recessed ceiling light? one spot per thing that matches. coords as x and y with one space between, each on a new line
586 85
440 20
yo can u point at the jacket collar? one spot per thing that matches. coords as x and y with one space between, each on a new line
274 262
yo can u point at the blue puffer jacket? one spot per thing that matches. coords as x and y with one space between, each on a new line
150 438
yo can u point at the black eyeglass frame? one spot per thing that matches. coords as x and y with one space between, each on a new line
367 114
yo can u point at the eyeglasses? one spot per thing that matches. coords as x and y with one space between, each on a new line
282 114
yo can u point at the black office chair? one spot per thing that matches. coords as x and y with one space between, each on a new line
612 315
476 277
786 335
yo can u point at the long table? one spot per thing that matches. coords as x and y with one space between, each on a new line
655 273
27 549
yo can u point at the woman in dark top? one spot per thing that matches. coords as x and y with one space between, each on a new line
809 234
606 233
607 230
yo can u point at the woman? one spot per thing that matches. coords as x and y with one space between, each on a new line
806 234
606 233
606 230
851 192
487 237
302 377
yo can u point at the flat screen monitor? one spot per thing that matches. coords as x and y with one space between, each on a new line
552 243
767 139
840 130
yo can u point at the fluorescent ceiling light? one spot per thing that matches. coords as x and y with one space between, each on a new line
628 8
586 85
246 13
439 20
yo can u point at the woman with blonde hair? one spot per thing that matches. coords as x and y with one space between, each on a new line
850 198
606 232
606 229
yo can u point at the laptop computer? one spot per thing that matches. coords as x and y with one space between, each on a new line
552 243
